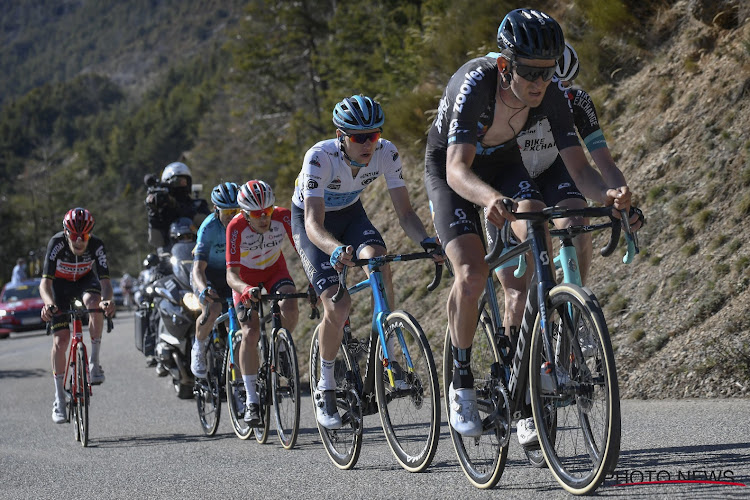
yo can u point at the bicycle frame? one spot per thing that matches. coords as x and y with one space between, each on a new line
77 339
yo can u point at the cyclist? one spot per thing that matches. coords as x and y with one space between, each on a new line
209 276
255 261
166 207
329 222
472 159
75 266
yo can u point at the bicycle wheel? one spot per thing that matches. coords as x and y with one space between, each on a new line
410 406
72 405
82 406
235 389
285 387
585 441
207 393
264 391
483 458
343 445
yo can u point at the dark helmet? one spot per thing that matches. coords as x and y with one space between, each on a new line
225 195
182 230
358 112
150 261
531 34
79 221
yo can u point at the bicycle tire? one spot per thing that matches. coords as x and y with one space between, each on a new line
342 445
410 416
235 389
207 392
585 444
285 388
82 407
265 397
482 459
72 407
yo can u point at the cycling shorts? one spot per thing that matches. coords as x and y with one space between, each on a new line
350 226
556 184
271 278
65 291
453 215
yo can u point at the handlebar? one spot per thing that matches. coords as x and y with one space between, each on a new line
81 310
376 262
309 295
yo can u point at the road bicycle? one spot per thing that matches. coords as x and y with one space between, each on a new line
210 391
278 375
573 395
400 381
78 386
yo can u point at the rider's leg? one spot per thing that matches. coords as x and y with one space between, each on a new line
96 321
289 309
583 242
249 361
331 332
60 346
202 332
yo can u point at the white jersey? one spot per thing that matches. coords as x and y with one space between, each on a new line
325 174
538 148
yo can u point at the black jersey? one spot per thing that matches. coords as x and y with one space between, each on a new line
61 262
467 110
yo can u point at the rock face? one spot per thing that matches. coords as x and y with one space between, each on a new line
724 14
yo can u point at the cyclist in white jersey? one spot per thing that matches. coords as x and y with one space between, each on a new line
330 226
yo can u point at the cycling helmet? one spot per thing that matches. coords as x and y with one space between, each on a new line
151 260
358 112
255 195
567 65
530 34
174 170
225 195
182 230
79 221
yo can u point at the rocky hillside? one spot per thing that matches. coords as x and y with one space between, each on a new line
678 128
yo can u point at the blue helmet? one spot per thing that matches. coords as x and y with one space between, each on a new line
531 34
358 112
225 195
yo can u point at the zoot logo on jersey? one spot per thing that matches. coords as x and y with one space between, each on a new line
472 77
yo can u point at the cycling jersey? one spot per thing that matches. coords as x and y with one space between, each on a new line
61 262
537 142
252 251
211 243
325 174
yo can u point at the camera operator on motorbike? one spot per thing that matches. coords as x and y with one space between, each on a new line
209 276
75 266
170 199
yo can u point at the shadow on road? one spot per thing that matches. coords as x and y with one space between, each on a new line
154 440
23 373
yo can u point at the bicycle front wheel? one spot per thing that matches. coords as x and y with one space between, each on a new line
285 387
482 458
235 389
207 393
409 404
264 393
344 444
577 383
83 393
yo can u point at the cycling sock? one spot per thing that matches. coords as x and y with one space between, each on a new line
252 393
327 378
96 344
59 387
462 376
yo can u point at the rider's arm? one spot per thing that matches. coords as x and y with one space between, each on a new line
48 297
590 182
407 217
198 275
315 213
234 280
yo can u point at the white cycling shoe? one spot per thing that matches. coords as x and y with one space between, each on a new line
464 416
97 374
59 414
526 431
198 360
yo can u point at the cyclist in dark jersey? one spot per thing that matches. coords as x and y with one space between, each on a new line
472 159
209 276
75 266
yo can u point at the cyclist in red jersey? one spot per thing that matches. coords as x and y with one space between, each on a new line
75 266
255 261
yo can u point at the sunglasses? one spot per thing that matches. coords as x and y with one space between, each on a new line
363 138
257 214
230 212
531 73
78 236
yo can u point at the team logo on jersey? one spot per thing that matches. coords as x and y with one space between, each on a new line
395 156
55 250
335 184
368 232
314 162
311 184
471 79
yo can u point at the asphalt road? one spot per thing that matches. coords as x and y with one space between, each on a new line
146 443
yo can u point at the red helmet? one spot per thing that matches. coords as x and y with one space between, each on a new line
255 195
78 221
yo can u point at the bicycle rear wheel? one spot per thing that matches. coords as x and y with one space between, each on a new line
82 397
584 442
410 407
285 386
343 445
264 391
207 392
483 458
235 389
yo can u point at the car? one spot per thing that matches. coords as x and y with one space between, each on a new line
20 307
117 290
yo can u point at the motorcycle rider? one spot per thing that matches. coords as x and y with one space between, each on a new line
169 200
209 276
